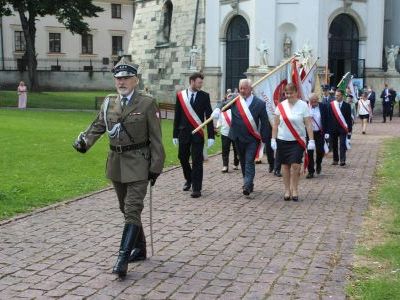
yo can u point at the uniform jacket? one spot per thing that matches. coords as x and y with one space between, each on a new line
182 127
239 130
333 124
140 119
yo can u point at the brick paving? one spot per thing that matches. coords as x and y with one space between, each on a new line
222 245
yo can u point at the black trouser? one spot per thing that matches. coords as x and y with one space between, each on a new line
194 174
342 138
386 108
226 148
319 149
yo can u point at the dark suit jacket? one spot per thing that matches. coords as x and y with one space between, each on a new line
383 94
334 125
182 127
323 109
372 98
238 128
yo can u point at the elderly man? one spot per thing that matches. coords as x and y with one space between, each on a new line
319 121
130 119
248 131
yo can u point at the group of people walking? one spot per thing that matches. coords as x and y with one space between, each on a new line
298 132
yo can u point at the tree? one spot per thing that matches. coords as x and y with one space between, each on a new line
68 12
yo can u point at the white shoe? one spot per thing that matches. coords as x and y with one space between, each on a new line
224 169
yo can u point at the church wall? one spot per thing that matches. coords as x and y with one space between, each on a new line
164 69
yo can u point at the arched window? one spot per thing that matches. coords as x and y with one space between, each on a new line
165 23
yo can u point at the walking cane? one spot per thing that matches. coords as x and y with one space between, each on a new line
151 219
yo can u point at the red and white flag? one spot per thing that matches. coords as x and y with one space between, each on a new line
272 88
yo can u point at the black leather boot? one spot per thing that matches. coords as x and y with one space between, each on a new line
128 240
139 252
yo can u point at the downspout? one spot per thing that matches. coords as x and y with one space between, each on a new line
2 44
195 23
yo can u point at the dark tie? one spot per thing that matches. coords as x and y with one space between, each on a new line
124 101
192 99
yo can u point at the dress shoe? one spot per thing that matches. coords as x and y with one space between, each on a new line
258 161
342 163
271 168
187 186
246 191
335 163
224 169
363 132
286 198
295 198
195 194
236 167
310 175
318 170
277 173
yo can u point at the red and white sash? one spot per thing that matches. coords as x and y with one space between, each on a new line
248 120
190 114
339 116
363 105
294 132
227 118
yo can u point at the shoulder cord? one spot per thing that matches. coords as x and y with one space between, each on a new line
116 129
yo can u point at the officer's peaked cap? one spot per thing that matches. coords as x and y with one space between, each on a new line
124 68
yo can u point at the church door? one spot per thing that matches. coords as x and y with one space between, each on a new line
237 51
343 48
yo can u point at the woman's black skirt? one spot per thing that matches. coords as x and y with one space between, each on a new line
289 152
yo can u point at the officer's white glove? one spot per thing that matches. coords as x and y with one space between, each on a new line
273 144
210 143
311 145
326 136
348 144
175 141
215 114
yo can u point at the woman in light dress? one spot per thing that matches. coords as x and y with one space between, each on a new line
22 95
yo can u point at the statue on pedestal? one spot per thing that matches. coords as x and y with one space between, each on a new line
193 58
263 51
391 56
287 46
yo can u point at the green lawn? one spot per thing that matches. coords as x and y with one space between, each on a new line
54 100
39 166
380 278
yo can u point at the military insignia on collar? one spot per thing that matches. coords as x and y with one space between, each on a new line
134 113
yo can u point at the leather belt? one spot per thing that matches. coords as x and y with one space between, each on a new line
120 149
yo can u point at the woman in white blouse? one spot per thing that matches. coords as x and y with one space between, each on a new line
290 150
364 111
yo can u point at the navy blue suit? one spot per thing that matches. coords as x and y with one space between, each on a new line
319 140
246 144
337 132
192 144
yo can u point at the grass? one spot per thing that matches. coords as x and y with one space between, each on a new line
39 166
53 100
377 270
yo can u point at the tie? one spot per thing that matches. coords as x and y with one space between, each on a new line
192 99
124 101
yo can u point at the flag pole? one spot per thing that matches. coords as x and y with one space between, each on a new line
229 104
344 76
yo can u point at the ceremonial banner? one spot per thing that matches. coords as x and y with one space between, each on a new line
308 84
272 88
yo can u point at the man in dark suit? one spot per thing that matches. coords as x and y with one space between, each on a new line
372 99
244 136
386 102
338 130
319 121
392 98
192 106
327 97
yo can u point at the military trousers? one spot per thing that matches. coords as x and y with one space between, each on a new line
130 197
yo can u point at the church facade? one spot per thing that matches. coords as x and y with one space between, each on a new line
223 38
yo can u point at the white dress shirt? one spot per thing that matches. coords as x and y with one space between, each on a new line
315 114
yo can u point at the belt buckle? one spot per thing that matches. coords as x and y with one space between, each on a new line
118 149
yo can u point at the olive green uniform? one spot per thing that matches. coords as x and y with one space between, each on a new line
132 156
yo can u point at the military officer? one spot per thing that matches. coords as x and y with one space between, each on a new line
136 156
